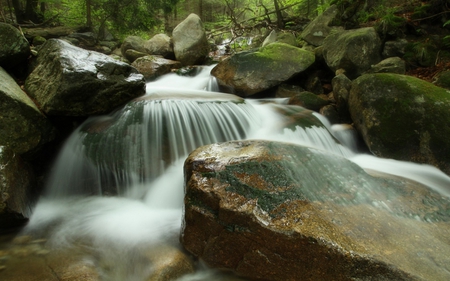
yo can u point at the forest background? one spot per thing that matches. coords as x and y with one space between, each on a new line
427 21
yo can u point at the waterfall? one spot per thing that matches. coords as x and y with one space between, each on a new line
137 152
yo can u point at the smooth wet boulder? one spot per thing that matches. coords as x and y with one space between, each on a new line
152 66
70 81
317 30
14 48
250 72
161 45
354 50
189 41
16 189
23 127
277 211
402 117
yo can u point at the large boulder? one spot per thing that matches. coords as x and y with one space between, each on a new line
14 48
317 30
189 41
278 211
16 189
355 50
70 81
402 117
23 127
161 45
250 72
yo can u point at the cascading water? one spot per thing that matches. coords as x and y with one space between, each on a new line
137 152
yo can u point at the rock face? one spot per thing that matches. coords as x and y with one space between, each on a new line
70 81
248 73
24 128
14 48
16 189
277 211
317 30
189 41
402 117
152 67
355 51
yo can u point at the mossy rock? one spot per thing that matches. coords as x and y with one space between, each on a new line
308 100
251 72
402 117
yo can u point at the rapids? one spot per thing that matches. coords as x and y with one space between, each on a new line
137 153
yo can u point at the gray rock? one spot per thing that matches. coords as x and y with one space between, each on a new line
341 90
132 42
14 48
132 55
395 48
389 65
287 91
85 39
24 128
317 30
152 66
308 100
189 41
271 38
250 72
353 50
71 81
160 44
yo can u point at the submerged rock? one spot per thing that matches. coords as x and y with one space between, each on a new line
277 211
251 72
402 117
23 127
70 81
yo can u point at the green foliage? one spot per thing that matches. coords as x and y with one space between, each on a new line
389 22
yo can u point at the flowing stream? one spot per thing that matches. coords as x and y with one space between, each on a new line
136 154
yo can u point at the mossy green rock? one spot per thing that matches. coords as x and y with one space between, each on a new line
250 72
354 50
402 117
308 100
23 127
278 211
14 48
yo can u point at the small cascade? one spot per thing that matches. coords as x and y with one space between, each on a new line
135 145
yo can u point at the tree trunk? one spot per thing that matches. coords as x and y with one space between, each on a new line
18 11
88 14
280 22
31 13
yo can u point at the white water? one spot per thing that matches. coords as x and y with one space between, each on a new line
149 210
